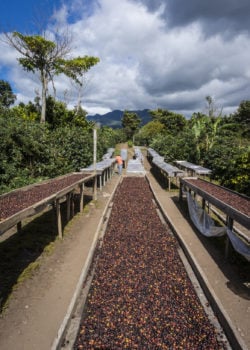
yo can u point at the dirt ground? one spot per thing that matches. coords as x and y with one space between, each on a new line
38 307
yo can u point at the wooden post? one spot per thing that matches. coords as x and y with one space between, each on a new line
59 219
203 203
81 196
100 182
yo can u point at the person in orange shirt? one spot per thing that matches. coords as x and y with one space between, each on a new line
119 162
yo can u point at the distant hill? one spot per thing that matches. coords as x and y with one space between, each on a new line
113 119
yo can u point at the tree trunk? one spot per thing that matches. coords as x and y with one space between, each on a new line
44 92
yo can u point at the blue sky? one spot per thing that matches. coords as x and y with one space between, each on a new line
153 54
19 15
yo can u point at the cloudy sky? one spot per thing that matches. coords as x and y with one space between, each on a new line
170 55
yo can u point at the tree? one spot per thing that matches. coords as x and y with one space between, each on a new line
242 115
25 112
7 97
211 107
130 123
78 117
175 147
149 131
48 59
173 122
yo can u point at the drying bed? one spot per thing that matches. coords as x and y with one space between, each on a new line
232 199
18 200
141 296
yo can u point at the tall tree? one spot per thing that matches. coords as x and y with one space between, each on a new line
7 97
149 131
48 59
212 109
242 114
130 123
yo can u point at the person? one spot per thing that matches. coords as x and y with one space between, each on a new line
119 162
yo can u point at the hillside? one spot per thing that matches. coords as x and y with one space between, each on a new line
113 119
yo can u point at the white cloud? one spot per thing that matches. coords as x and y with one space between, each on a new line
146 64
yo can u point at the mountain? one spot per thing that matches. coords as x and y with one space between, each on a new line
113 119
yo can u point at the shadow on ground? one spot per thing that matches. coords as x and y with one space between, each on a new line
235 267
19 253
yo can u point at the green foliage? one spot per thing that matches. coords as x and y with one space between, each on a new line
56 112
230 164
173 122
26 112
130 124
242 115
76 67
7 97
107 138
219 143
48 59
78 117
175 148
71 148
21 151
30 151
149 131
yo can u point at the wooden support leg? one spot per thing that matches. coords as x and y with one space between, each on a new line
100 182
81 197
203 203
95 188
59 219
104 177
